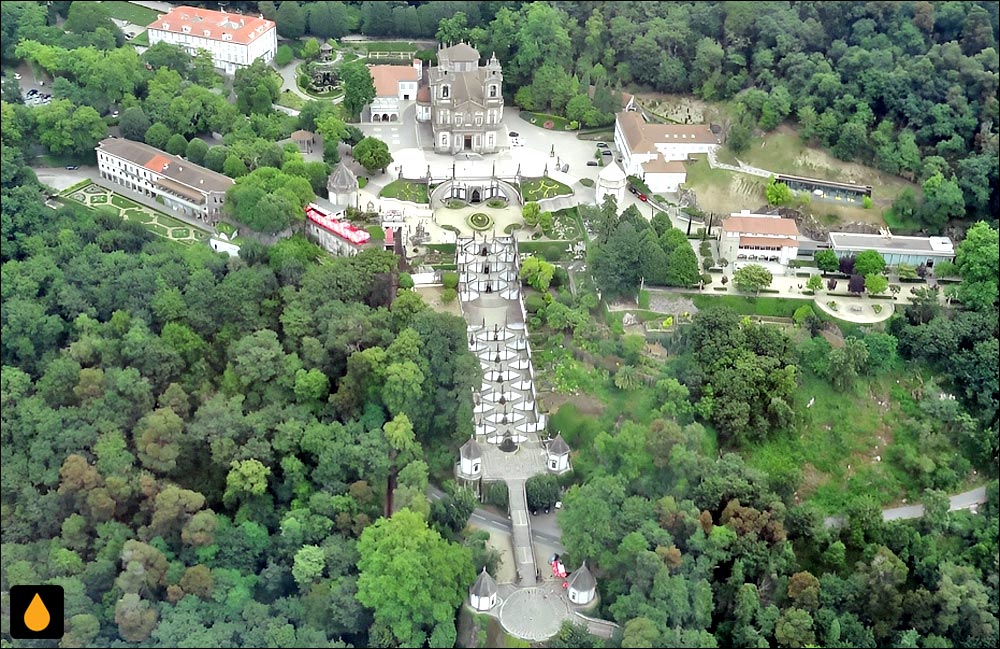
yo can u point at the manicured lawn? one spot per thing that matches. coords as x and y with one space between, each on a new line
129 12
550 250
539 188
540 119
141 39
289 99
775 307
404 190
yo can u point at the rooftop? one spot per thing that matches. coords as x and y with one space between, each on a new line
746 223
891 243
342 180
558 446
581 580
642 137
387 78
170 166
462 52
769 242
484 587
471 451
214 25
342 229
661 166
612 173
302 135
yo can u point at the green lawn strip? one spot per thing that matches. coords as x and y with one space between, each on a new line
75 187
289 99
124 203
390 46
550 250
776 307
539 120
141 39
129 12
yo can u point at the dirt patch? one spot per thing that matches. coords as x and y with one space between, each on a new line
671 304
812 479
586 404
834 337
432 296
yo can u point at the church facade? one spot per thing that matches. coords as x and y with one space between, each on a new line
466 101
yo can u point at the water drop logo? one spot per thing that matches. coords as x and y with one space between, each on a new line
37 617
36 612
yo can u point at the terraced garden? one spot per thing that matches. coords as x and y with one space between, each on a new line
159 223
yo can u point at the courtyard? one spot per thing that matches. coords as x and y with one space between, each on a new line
168 227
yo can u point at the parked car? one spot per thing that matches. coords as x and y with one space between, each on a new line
17 76
114 114
591 163
72 167
602 145
606 152
32 92
633 190
514 134
642 197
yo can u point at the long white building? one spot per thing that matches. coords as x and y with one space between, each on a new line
656 152
758 237
182 186
234 40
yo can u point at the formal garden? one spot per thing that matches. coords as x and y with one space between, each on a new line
405 190
168 227
535 189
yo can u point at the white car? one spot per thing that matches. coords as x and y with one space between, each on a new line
17 76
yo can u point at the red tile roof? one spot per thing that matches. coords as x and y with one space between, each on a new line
387 78
773 242
204 23
157 163
642 137
761 225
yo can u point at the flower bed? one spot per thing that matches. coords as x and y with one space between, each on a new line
479 221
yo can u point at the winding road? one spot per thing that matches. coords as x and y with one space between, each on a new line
965 500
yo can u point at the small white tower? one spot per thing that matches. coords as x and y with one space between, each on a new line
611 180
558 455
581 586
483 594
342 186
470 463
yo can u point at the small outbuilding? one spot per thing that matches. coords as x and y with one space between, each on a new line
581 586
483 593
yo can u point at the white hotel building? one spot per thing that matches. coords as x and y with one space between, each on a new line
180 185
657 152
234 40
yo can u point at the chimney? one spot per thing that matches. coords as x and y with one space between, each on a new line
418 65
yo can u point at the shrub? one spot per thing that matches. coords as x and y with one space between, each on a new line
534 303
877 308
496 494
449 279
586 182
283 56
866 202
405 280
833 305
448 295
706 278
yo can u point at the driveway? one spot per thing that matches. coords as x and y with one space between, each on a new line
59 178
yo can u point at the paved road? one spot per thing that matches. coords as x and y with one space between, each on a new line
965 500
488 519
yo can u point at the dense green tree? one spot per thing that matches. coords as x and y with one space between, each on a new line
359 89
411 577
868 263
373 154
752 278
826 261
978 264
